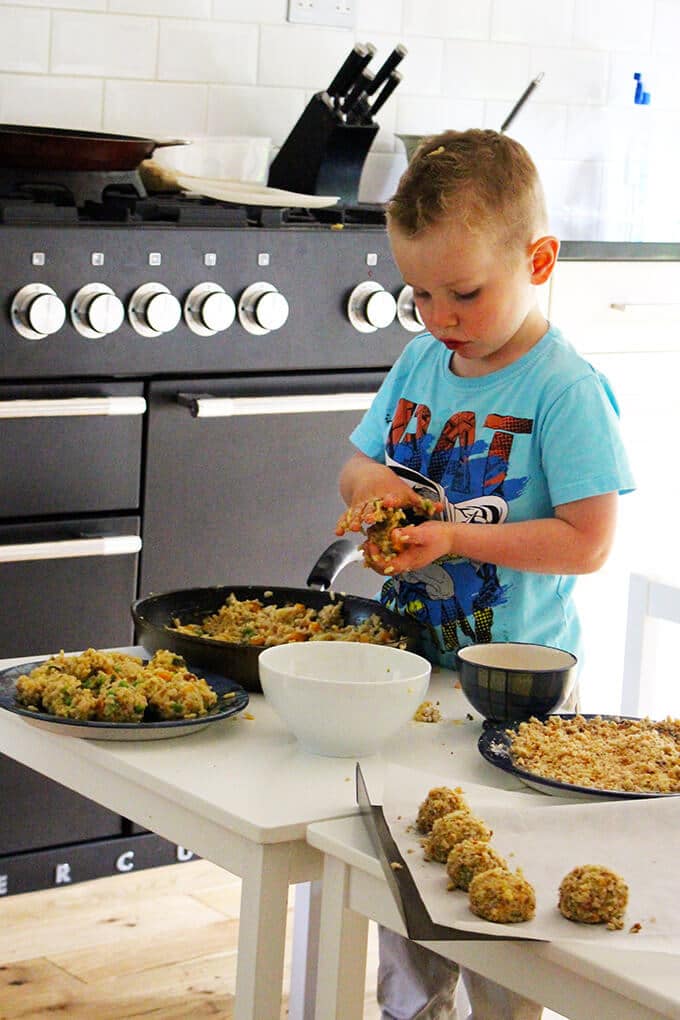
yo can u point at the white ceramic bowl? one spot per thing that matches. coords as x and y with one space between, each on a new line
343 699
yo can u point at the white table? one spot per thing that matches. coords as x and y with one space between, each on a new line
581 982
241 794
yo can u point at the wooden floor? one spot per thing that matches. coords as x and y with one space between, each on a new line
159 943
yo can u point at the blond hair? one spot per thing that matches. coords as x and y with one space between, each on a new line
485 180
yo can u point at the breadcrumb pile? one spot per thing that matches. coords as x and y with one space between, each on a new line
626 755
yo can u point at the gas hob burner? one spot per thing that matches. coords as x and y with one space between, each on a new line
70 187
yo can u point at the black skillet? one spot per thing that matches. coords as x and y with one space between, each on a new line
153 615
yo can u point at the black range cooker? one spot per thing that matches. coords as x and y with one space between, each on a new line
179 377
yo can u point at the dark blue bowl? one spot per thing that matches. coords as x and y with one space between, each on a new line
510 680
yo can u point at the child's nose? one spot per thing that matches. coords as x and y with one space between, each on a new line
444 314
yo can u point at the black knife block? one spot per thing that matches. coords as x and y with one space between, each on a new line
323 155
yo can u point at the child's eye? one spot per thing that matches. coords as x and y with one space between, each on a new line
420 295
470 296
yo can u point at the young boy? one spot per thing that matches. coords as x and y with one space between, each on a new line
494 414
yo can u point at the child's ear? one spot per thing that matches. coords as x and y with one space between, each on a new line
543 256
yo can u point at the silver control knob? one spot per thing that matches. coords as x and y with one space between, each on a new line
262 308
153 310
407 311
371 307
208 310
37 312
96 311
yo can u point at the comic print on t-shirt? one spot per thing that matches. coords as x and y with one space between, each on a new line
468 468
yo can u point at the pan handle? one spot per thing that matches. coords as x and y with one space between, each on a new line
332 560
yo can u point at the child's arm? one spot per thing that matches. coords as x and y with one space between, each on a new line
577 540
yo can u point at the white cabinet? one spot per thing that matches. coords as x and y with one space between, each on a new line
639 352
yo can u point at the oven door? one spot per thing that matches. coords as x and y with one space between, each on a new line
242 479
67 585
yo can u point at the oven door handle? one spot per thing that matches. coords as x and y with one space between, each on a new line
72 406
106 545
205 406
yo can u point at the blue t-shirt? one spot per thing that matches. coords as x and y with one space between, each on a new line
508 446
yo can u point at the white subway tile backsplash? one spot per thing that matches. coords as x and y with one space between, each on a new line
666 27
273 11
613 24
51 101
416 116
485 70
422 67
254 110
377 15
24 40
162 8
208 51
447 20
572 76
101 45
158 109
298 56
540 127
533 21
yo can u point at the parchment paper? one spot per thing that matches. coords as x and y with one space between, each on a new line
547 837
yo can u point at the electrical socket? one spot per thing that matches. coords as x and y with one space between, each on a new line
322 12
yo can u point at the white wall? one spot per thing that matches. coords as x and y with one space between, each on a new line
222 67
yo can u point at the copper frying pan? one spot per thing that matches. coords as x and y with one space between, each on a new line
47 148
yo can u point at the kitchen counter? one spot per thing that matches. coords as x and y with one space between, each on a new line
619 251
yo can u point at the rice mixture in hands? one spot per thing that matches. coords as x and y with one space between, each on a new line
378 522
114 687
251 622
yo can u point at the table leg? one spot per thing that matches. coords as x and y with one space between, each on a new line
303 971
341 973
262 932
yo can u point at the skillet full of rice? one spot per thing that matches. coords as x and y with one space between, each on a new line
225 628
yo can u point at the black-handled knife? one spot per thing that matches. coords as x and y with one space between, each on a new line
385 93
360 88
352 67
383 73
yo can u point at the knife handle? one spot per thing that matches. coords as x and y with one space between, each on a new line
388 88
383 73
360 88
354 64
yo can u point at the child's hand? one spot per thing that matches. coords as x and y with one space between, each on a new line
367 512
415 547
384 520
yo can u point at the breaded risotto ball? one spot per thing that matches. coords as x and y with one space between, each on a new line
439 801
470 858
501 896
592 894
453 828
